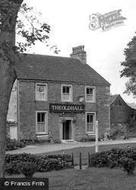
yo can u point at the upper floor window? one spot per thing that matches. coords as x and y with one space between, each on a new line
90 94
66 93
41 92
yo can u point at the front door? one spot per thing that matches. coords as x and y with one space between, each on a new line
67 130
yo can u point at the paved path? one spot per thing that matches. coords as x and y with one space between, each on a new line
44 148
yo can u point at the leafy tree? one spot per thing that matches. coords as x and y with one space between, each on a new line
129 66
10 54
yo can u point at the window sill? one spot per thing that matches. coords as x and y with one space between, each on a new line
90 133
41 134
66 101
87 101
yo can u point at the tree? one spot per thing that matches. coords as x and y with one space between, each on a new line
10 55
129 65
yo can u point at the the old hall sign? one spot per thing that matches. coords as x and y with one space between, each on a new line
67 108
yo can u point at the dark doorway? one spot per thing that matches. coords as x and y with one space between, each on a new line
67 130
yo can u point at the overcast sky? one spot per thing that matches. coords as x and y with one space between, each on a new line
69 21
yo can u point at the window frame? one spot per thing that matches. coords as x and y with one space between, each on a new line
46 122
46 91
94 94
71 94
94 122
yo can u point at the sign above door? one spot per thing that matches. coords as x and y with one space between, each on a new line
67 108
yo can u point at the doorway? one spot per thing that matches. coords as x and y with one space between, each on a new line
67 130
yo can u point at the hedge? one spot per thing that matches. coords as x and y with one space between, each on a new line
42 163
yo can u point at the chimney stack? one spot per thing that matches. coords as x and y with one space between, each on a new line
79 53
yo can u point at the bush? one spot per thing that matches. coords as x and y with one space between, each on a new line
43 163
27 168
13 144
111 158
12 168
128 164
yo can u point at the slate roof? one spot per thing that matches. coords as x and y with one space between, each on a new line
54 68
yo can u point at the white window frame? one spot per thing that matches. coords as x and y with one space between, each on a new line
94 122
94 94
46 122
70 95
46 92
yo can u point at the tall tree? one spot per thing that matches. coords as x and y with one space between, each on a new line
9 55
129 66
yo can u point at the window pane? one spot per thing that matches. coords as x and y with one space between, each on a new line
89 118
66 93
90 122
41 90
40 117
89 91
41 122
66 89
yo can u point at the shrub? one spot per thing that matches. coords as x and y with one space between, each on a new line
42 163
13 144
128 164
12 167
27 168
111 158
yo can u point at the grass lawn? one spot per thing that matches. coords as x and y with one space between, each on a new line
89 179
85 150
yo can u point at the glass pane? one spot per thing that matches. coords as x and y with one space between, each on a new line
90 118
89 91
66 89
90 127
41 117
41 127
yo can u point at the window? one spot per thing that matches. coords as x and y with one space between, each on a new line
41 92
66 93
90 94
41 122
90 122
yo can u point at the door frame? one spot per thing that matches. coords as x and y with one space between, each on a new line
61 129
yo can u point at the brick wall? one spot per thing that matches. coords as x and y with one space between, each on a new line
28 107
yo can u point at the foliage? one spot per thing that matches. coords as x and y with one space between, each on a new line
112 158
128 164
118 131
13 144
27 168
129 66
40 163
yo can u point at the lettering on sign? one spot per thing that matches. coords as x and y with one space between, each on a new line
68 108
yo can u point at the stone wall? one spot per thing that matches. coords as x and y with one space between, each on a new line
28 107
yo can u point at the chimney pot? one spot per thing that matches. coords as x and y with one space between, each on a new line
79 53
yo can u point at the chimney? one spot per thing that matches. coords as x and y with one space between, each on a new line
79 53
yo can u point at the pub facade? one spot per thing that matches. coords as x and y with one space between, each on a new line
60 98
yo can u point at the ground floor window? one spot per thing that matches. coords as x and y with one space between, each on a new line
41 122
90 122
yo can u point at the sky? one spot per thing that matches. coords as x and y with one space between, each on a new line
69 21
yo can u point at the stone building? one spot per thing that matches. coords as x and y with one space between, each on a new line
122 117
120 111
60 98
